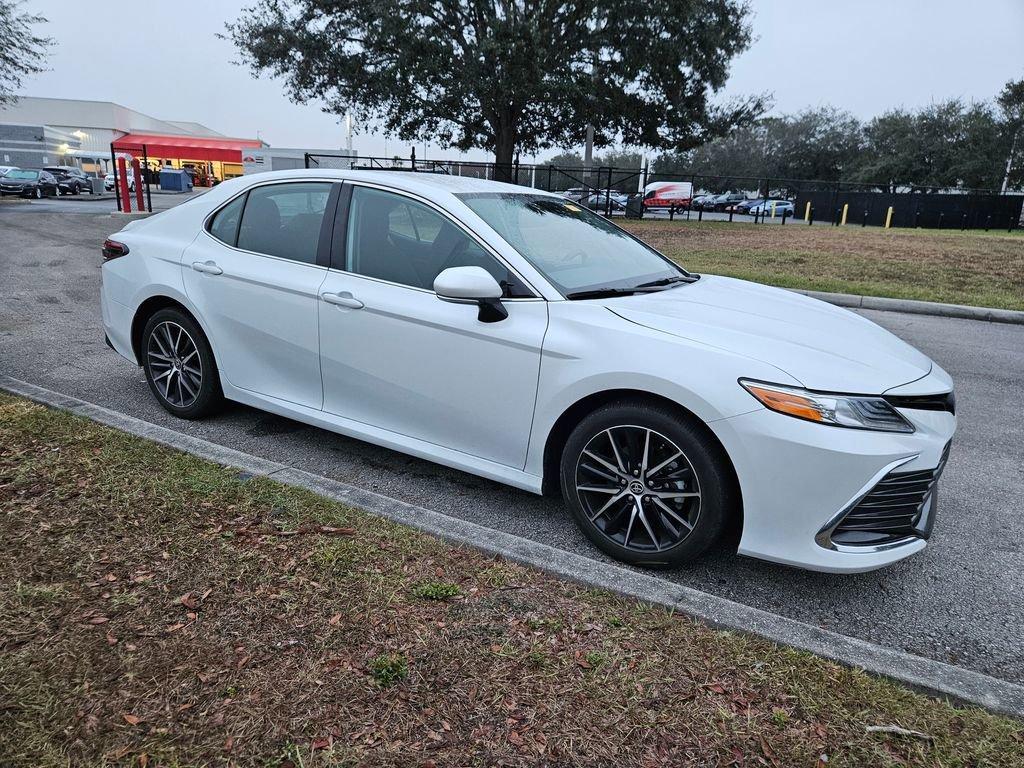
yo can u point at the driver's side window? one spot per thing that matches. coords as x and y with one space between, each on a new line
395 238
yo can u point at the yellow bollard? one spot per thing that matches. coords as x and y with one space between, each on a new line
888 218
807 211
846 210
773 209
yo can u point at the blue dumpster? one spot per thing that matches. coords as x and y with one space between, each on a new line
175 180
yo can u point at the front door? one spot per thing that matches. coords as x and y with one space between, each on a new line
394 356
254 278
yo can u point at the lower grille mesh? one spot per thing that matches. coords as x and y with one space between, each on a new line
892 509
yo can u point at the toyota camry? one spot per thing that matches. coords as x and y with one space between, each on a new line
516 335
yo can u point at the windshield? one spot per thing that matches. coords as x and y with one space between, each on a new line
22 175
579 252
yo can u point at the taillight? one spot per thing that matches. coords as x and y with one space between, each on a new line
113 249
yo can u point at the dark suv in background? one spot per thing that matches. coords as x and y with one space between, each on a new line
70 180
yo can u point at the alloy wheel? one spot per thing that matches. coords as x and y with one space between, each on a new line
638 488
175 364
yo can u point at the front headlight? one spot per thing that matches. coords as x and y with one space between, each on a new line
854 411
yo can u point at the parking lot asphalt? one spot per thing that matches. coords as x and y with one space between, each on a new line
960 601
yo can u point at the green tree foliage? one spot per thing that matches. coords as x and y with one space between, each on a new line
814 144
509 77
22 52
944 145
1011 105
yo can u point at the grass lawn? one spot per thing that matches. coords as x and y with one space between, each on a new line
983 269
159 610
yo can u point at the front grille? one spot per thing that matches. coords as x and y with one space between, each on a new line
943 402
897 507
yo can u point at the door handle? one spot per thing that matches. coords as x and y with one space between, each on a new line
207 267
342 300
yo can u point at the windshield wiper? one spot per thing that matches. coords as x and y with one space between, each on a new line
601 293
669 281
650 287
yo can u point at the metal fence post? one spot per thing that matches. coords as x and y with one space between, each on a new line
113 170
149 197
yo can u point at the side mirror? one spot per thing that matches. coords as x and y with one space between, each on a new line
472 285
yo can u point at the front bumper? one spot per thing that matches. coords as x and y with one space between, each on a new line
798 478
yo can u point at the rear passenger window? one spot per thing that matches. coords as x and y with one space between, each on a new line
225 224
284 220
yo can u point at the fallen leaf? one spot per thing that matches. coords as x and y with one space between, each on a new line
188 601
335 620
132 719
98 620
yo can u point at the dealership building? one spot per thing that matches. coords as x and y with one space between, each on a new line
38 131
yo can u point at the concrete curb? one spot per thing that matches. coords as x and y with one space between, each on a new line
962 311
927 675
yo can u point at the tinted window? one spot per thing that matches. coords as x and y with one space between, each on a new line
393 238
225 224
284 220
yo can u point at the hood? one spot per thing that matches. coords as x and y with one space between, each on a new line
820 345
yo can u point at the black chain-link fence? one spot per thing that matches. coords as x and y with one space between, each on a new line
640 192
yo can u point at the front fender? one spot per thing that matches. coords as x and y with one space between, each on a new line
589 350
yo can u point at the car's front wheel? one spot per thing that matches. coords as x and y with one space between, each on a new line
179 365
646 484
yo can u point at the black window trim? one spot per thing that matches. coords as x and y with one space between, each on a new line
340 239
326 226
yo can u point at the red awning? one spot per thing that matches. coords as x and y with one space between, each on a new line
186 147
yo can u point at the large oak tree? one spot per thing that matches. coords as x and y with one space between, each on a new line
509 77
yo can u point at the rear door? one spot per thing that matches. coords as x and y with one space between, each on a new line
254 275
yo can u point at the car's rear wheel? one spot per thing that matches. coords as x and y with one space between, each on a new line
646 484
179 365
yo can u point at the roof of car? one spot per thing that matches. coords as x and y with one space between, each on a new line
410 181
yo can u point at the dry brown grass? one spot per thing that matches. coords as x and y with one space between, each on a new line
159 610
976 268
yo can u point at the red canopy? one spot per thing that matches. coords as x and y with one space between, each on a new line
186 147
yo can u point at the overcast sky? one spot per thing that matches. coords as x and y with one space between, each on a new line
864 57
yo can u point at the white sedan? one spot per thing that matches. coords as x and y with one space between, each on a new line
518 336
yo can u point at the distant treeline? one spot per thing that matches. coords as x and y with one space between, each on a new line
944 145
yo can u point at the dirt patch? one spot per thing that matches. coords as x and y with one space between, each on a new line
159 610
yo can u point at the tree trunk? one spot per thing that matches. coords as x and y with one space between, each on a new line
504 152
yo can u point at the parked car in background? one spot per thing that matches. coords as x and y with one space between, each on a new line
599 200
575 193
110 181
697 202
70 180
29 182
514 334
668 194
746 205
721 202
766 207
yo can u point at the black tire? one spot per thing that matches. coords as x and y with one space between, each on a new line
76 190
208 397
709 475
